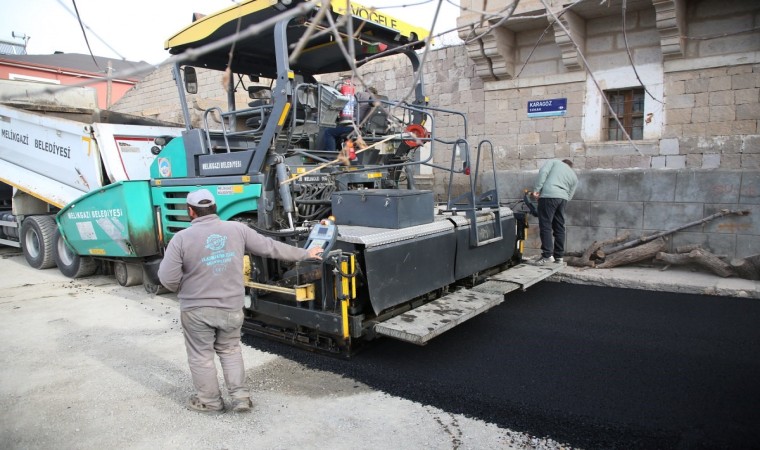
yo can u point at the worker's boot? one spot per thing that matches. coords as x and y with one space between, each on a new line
543 261
195 404
242 405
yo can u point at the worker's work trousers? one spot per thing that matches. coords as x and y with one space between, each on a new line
331 136
551 222
211 330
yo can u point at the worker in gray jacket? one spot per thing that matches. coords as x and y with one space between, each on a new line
204 265
554 187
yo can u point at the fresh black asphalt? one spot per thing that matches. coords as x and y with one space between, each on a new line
591 367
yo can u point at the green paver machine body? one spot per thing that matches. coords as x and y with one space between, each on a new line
130 219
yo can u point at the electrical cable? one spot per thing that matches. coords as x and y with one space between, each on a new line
532 50
716 36
86 41
630 58
255 29
187 55
336 266
301 44
90 29
405 5
593 78
510 9
541 38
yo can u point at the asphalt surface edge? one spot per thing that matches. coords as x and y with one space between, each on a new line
654 279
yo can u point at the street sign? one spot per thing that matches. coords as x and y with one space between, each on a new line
546 108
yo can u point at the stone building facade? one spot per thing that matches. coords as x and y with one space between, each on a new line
698 148
691 106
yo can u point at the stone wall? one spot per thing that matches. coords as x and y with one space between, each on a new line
156 97
712 119
642 202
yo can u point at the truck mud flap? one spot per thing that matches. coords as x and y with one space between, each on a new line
422 324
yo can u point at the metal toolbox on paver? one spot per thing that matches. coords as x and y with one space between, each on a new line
383 208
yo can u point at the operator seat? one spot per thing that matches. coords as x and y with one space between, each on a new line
377 122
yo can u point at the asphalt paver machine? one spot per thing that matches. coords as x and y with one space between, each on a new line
397 262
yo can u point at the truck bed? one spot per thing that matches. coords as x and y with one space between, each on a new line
57 160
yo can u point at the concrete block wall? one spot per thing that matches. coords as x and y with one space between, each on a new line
642 202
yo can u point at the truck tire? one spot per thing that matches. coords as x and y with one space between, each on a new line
37 234
127 274
69 263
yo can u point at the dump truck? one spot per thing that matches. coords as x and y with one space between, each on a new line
55 146
398 262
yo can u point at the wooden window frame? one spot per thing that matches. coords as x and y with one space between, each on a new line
631 118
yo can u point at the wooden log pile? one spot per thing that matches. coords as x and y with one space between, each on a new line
596 255
621 251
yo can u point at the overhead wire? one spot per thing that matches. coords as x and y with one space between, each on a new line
405 5
593 78
503 16
545 32
479 37
310 31
533 50
425 52
351 61
84 33
716 36
188 55
630 58
254 29
84 25
350 32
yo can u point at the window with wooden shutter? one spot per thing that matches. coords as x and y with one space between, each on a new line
628 104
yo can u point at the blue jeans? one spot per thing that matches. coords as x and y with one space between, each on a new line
551 223
210 331
331 136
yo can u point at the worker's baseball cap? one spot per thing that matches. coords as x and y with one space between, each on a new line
200 198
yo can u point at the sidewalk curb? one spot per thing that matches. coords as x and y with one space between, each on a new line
653 279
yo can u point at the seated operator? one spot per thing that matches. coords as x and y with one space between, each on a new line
362 107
